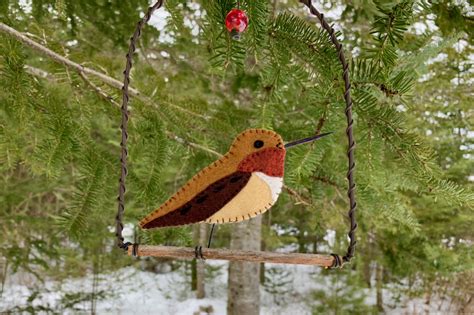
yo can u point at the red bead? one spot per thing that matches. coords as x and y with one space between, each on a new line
236 20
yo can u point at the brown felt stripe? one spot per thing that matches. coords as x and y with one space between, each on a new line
228 164
205 204
254 198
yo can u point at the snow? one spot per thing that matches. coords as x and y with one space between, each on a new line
330 237
420 28
128 291
159 20
132 291
25 5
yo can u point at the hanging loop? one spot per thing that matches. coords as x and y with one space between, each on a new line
349 132
338 261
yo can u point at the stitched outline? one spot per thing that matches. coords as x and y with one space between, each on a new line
151 216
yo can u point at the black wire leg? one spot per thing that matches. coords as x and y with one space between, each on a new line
198 253
198 249
210 236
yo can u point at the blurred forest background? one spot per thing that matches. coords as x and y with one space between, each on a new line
412 76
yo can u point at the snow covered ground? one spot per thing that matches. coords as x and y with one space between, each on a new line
131 291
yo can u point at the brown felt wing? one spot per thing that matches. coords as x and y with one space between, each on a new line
213 198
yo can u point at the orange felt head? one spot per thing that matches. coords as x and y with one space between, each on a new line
259 150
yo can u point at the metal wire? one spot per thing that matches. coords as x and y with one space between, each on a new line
210 236
124 125
351 142
338 262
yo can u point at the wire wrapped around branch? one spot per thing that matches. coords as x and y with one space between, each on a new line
349 132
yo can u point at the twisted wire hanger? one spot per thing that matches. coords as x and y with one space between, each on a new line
338 260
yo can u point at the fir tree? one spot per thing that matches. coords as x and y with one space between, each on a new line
59 136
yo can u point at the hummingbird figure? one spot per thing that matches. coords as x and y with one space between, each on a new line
242 184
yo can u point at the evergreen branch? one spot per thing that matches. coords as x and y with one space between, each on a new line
152 154
419 158
87 196
62 60
54 151
320 125
257 12
42 74
102 94
38 73
388 29
326 180
274 8
297 196
225 51
87 71
302 162
194 145
300 42
169 134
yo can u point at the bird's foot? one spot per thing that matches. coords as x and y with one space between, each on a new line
198 253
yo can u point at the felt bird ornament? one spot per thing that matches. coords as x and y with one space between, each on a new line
242 184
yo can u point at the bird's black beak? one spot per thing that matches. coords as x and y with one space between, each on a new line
306 140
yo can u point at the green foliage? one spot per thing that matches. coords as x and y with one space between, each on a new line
343 298
257 13
150 154
302 43
227 53
59 135
86 196
278 283
389 28
452 17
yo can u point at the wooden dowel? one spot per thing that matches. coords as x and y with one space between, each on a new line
234 255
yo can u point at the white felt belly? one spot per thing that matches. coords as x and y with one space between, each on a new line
275 183
256 197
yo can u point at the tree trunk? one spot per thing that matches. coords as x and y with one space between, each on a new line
379 285
201 264
266 224
315 243
3 275
244 288
368 259
198 267
194 261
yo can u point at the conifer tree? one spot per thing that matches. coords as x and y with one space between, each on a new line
195 89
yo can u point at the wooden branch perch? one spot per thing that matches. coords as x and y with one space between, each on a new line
234 255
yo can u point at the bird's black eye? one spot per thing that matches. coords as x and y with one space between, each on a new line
258 144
